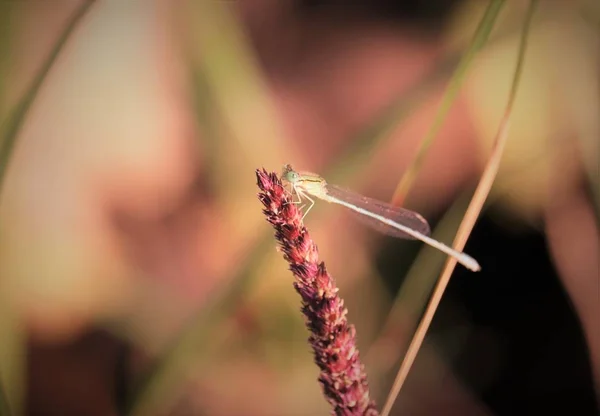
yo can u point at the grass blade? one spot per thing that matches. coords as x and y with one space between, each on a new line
4 408
12 124
9 131
466 226
479 40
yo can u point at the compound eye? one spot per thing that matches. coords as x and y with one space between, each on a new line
289 174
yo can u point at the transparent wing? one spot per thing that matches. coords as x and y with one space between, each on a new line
400 215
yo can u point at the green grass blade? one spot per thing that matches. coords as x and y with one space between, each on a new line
479 40
11 126
4 408
472 213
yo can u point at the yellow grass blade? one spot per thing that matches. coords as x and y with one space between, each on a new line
466 226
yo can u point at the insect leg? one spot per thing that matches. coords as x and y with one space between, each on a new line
312 203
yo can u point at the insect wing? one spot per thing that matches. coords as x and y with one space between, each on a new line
399 215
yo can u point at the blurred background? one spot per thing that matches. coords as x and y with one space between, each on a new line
138 275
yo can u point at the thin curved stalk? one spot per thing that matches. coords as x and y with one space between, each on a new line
479 40
4 407
12 125
471 215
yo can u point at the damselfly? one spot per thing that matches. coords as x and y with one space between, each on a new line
385 218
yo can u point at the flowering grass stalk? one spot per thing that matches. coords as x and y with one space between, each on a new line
332 338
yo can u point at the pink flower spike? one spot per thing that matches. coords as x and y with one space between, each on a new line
332 338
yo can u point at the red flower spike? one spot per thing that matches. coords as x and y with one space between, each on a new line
332 338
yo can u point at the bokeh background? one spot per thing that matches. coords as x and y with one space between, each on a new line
138 275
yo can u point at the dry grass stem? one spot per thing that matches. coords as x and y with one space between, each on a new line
468 222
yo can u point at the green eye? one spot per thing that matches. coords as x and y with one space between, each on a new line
289 174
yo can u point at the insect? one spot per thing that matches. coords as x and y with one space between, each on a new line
383 217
